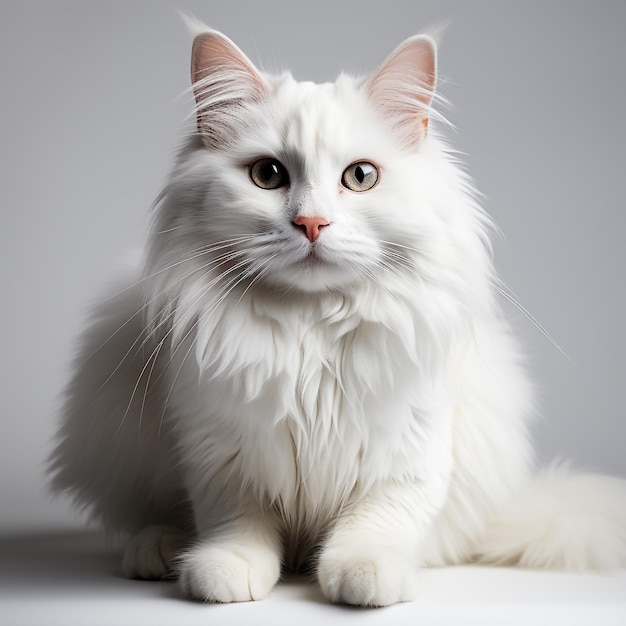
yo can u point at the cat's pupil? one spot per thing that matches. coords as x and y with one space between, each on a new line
359 174
269 171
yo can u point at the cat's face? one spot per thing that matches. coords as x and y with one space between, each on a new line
313 182
304 186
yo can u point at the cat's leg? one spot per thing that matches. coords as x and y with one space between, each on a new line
238 562
151 553
371 556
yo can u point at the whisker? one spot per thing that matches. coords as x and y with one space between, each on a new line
399 260
144 336
117 367
152 357
223 258
258 275
167 230
195 254
512 299
232 284
205 289
132 397
390 264
394 244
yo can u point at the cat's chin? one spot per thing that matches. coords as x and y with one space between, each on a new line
318 269
315 276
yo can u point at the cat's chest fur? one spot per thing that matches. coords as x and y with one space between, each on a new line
306 403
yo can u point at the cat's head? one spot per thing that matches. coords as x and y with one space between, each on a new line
310 187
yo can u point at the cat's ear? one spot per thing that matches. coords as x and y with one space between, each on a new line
224 80
402 88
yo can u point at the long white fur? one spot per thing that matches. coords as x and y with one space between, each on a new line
368 412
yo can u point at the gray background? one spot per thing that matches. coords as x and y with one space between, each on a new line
91 113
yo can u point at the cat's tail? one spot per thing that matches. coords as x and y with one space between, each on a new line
561 520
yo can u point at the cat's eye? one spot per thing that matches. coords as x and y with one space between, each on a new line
269 174
360 176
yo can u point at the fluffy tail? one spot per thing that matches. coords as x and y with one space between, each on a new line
561 520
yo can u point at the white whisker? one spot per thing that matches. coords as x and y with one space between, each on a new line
512 299
227 290
193 255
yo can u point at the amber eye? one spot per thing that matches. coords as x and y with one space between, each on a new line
269 174
360 176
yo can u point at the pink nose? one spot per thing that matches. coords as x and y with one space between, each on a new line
311 226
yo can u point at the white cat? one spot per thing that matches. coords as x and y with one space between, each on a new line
313 369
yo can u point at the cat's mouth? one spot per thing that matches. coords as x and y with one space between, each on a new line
314 259
316 267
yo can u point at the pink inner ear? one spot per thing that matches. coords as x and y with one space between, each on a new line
404 86
223 79
213 53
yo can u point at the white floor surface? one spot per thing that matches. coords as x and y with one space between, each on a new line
71 578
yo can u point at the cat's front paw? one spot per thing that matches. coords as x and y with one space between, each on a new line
229 573
366 576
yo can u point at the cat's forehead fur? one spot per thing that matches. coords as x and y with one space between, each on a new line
307 125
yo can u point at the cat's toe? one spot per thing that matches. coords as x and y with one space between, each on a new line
213 573
367 579
150 553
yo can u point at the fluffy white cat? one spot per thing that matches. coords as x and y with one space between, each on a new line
313 370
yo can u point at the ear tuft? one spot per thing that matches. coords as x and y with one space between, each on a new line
224 81
404 85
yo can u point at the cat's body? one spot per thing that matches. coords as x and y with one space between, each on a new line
313 368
